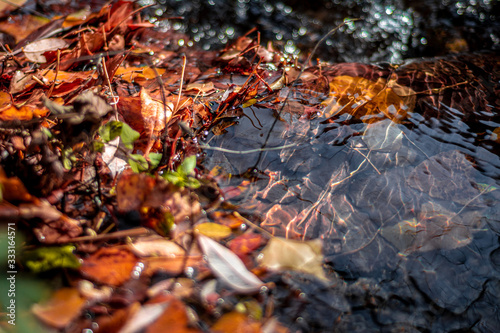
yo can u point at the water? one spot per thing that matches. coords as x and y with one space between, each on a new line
408 208
403 188
389 30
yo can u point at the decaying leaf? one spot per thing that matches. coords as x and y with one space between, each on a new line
163 312
228 267
64 306
281 254
156 247
236 322
146 115
435 228
367 100
34 51
111 266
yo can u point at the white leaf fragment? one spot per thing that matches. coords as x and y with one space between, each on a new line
228 267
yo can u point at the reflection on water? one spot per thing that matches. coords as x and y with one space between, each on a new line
388 30
408 208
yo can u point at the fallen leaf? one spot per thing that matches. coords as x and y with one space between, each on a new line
13 189
179 287
369 101
47 258
213 230
174 317
172 266
64 306
246 243
157 247
109 265
34 51
21 26
287 254
146 115
228 267
236 322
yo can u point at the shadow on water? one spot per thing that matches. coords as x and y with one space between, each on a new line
408 208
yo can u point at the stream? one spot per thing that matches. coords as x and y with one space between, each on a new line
406 201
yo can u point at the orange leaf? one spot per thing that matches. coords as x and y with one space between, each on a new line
246 243
168 265
109 266
132 190
369 101
64 306
13 189
146 115
236 322
174 317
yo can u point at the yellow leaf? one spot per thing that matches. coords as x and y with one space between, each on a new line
213 230
282 254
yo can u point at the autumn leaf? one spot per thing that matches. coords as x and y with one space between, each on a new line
213 230
111 266
236 322
282 254
146 115
64 306
228 267
369 101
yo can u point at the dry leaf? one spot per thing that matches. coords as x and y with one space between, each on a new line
146 115
157 247
64 306
228 267
34 51
282 254
367 100
172 266
111 266
236 322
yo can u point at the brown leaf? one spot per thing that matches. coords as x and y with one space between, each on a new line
34 51
146 115
13 189
172 266
369 101
233 322
64 306
111 266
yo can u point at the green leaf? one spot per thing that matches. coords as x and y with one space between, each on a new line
111 130
128 136
138 163
47 258
98 146
192 183
68 158
154 159
175 178
188 165
115 128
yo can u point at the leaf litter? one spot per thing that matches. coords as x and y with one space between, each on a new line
102 147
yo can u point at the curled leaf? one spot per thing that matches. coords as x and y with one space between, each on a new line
34 51
228 267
